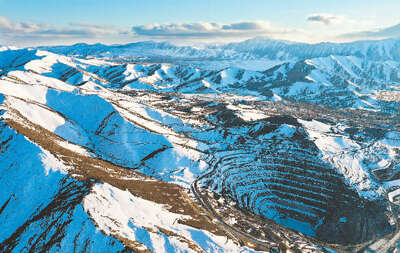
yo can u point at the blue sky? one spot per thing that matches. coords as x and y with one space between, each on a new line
32 22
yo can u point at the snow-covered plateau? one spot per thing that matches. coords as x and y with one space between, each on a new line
257 146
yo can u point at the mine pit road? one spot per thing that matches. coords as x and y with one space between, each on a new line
206 205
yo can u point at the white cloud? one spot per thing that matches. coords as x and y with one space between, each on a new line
21 32
204 30
7 27
327 19
31 34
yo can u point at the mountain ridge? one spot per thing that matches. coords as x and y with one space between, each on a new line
257 48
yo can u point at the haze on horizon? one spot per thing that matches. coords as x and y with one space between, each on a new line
47 22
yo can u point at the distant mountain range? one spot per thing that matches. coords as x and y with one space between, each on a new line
345 75
253 49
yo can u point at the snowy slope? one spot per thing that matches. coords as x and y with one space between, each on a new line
49 214
69 213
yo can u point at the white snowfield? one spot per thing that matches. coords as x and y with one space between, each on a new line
134 115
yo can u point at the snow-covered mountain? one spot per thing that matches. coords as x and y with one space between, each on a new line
338 81
258 49
142 147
